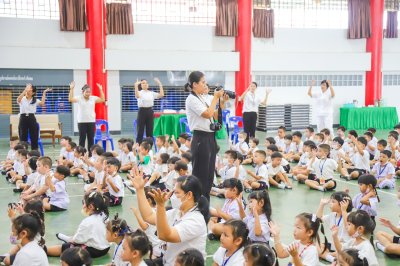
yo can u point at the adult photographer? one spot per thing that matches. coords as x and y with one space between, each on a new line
250 109
201 116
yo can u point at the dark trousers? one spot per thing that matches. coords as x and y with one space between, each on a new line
249 124
145 119
86 130
27 123
204 151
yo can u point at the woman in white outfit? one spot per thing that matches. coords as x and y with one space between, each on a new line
323 104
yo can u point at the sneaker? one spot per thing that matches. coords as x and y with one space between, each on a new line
281 186
302 181
290 175
87 182
248 190
129 187
63 237
80 176
3 172
321 188
295 178
221 196
288 187
347 178
17 190
212 237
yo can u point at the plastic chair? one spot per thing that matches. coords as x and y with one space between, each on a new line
40 143
225 119
103 137
184 121
234 123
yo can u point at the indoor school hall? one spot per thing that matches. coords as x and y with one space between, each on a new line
199 132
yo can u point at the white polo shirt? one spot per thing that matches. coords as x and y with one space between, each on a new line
31 254
146 98
236 258
192 231
86 113
194 108
25 106
323 102
92 232
118 183
251 102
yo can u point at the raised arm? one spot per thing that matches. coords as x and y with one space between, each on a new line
137 95
161 94
43 101
331 88
211 109
71 98
310 88
241 97
102 98
23 93
264 102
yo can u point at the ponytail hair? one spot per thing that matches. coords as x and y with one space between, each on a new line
31 223
262 195
192 184
35 208
139 241
190 257
367 179
239 230
118 225
99 203
361 218
76 257
34 95
312 222
353 257
194 77
326 83
261 254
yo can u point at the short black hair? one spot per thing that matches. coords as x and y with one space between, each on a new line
288 137
372 130
185 136
342 128
339 140
311 129
67 138
272 147
255 140
271 140
63 170
276 155
282 127
181 165
369 134
382 142
308 143
297 134
394 132
72 144
387 153
34 153
97 148
23 153
397 126
261 152
187 155
353 133
232 154
114 161
363 140
173 160
146 146
164 158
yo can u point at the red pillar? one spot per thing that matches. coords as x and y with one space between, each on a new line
243 46
373 88
96 42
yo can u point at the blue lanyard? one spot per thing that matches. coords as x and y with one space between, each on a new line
321 168
224 262
116 250
340 219
381 170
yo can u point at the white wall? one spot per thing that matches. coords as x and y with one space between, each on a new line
80 80
114 100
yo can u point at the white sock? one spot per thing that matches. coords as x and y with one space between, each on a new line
290 175
17 186
330 258
294 178
380 247
320 188
281 186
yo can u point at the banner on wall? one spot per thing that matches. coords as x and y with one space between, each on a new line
42 77
168 78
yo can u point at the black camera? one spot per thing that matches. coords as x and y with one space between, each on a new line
231 94
215 126
13 205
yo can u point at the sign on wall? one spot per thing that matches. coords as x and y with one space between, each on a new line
20 77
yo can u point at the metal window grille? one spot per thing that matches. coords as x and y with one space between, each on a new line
302 80
391 79
56 100
38 9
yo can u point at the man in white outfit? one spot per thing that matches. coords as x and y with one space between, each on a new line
323 104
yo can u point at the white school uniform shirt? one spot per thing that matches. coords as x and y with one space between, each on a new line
25 106
11 155
227 172
296 148
31 254
377 155
118 183
365 249
86 113
161 151
195 106
284 162
389 148
324 168
192 230
69 155
333 219
361 161
286 148
190 168
371 209
231 207
334 154
127 158
151 233
31 178
242 146
242 173
59 197
384 170
374 144
273 171
262 170
146 98
92 232
19 168
63 150
117 256
265 236
170 179
304 159
323 102
251 102
308 254
235 259
280 143
184 148
162 169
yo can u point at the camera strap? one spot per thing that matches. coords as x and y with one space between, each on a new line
205 103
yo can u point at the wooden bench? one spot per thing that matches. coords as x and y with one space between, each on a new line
50 127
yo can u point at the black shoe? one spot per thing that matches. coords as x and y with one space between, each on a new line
221 196
301 181
2 258
87 182
211 237
18 190
3 172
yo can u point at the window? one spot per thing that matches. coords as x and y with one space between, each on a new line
40 9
